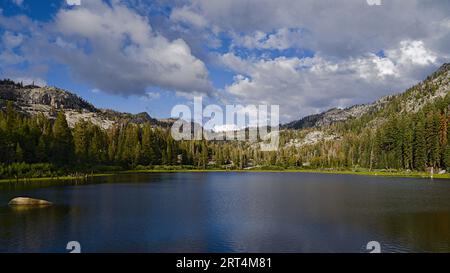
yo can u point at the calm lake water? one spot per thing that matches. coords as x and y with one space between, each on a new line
230 212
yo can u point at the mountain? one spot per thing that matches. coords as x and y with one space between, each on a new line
435 86
407 132
32 100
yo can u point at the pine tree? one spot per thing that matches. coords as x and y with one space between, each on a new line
447 157
19 153
407 151
62 150
136 160
432 138
97 145
447 148
147 145
420 149
204 155
41 150
81 141
169 152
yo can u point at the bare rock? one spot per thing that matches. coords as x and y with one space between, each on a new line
26 201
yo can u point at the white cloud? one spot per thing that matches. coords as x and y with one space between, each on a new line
11 40
10 58
254 40
335 28
385 67
310 85
446 23
113 48
413 52
373 2
281 39
151 96
186 15
73 2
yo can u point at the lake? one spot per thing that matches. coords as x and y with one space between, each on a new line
230 212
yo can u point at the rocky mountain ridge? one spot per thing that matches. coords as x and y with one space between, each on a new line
32 100
434 86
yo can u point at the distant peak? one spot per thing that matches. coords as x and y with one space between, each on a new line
434 86
444 67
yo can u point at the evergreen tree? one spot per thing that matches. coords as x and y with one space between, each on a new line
407 151
432 138
19 153
147 145
41 151
81 141
420 149
204 155
62 150
447 157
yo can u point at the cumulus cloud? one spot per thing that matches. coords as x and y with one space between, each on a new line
356 52
11 40
73 2
413 52
302 86
335 28
114 49
280 39
360 52
151 96
186 15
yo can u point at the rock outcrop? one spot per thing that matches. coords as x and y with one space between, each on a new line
26 201
32 100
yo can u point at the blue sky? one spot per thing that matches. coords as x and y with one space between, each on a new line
306 56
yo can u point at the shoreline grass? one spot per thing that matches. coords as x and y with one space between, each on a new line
54 178
403 174
317 171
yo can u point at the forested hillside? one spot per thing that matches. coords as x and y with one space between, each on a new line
409 131
405 131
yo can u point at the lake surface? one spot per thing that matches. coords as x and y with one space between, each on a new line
230 212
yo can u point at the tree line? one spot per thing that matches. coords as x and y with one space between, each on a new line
37 146
401 140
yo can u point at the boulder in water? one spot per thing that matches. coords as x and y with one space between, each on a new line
26 201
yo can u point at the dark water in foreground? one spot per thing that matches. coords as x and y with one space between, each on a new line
230 212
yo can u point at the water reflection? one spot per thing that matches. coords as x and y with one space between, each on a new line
230 212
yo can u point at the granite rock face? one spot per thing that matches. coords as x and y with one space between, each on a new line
33 100
26 201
